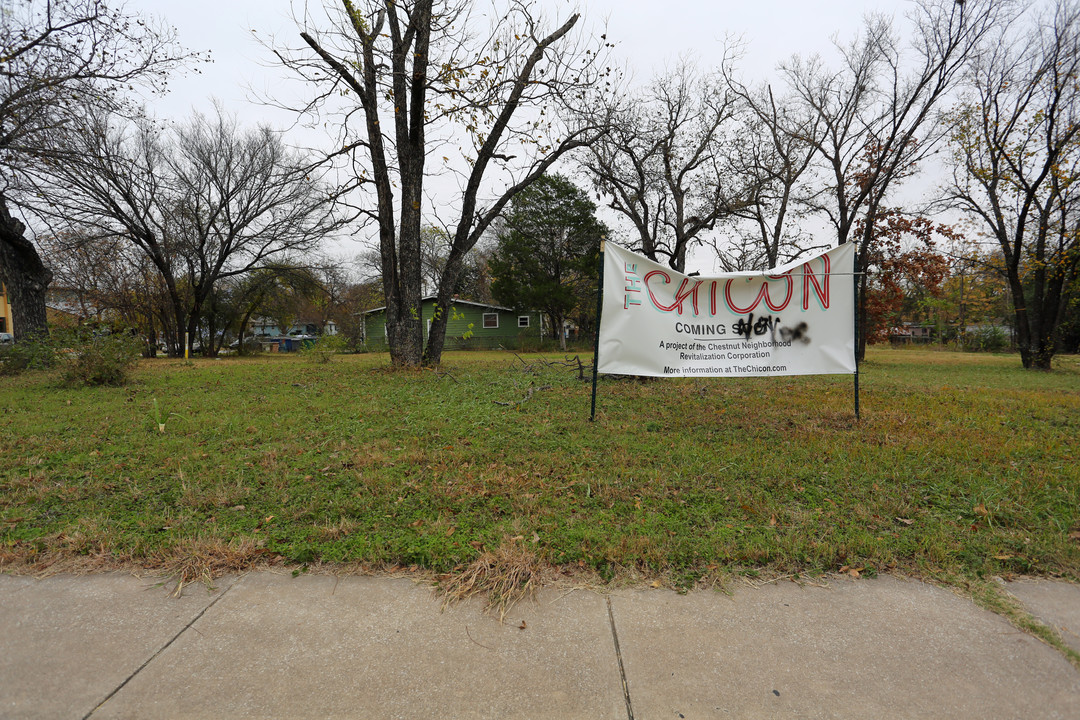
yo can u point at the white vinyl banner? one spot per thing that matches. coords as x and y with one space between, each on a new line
797 319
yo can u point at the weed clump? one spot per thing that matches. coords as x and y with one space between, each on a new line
325 348
101 360
37 352
84 358
503 576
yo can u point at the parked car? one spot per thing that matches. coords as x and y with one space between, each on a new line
6 339
250 343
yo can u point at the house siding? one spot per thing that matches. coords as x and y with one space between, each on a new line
5 311
464 328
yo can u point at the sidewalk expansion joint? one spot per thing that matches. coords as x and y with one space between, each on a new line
153 657
618 656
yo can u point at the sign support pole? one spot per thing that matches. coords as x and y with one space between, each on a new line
596 342
855 278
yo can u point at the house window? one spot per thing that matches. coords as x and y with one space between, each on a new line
491 320
523 321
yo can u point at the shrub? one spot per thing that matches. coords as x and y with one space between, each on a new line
10 363
251 346
325 348
102 360
38 352
987 339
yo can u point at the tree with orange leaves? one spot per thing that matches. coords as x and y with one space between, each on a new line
902 259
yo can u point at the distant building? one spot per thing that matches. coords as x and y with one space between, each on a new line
470 325
910 333
267 327
6 325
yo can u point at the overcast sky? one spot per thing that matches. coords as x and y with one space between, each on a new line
648 36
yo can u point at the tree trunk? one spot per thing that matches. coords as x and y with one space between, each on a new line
862 278
404 312
863 323
166 319
406 341
1023 327
1043 356
404 308
243 329
678 259
24 275
192 331
436 340
151 342
179 317
210 348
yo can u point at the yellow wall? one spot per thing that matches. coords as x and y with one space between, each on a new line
5 311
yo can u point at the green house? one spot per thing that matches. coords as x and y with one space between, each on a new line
471 325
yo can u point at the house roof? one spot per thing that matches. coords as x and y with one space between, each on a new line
456 301
67 301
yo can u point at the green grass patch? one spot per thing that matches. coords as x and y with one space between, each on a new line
962 465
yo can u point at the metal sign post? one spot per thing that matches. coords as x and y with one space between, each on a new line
856 276
596 342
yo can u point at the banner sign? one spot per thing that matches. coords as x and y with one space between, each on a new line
797 319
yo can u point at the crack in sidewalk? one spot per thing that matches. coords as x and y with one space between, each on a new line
160 650
618 656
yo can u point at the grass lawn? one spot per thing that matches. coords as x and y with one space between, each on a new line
963 465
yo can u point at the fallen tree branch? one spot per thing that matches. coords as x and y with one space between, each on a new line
542 363
440 373
525 399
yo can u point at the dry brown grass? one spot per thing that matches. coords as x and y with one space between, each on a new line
502 577
196 560
202 560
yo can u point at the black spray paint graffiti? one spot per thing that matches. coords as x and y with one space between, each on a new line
769 325
795 334
748 326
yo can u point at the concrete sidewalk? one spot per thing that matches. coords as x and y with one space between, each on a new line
271 646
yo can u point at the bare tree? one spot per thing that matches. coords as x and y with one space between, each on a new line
435 245
86 273
105 279
666 163
206 202
114 187
877 109
776 149
424 80
1016 145
242 199
55 58
335 283
436 242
